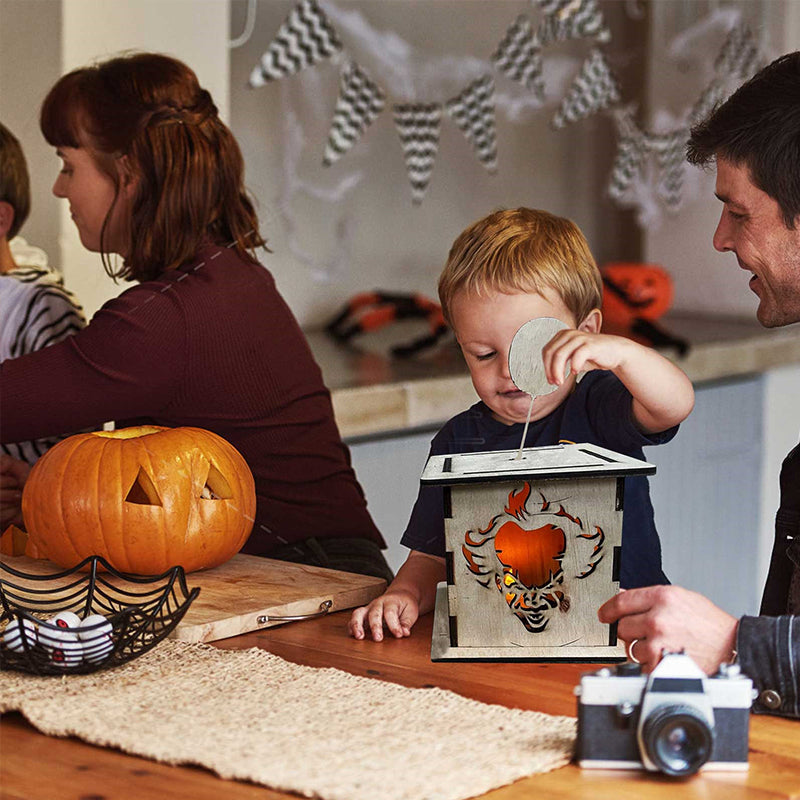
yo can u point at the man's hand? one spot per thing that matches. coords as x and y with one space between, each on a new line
660 618
13 474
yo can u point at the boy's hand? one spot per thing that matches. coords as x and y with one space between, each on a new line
662 394
397 610
583 351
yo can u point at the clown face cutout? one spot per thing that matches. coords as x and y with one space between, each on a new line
532 604
521 552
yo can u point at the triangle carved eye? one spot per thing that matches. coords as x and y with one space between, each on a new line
143 492
217 487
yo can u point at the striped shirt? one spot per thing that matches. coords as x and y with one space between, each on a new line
35 311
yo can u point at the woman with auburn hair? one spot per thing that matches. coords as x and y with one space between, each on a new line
154 182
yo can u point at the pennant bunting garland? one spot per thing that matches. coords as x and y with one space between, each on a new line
360 101
418 126
594 89
648 167
572 19
473 112
305 38
519 56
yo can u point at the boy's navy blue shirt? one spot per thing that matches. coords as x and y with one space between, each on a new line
599 411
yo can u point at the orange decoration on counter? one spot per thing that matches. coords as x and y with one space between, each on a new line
632 291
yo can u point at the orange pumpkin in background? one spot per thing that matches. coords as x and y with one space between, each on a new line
634 291
144 498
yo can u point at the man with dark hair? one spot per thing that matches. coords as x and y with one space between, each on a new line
754 139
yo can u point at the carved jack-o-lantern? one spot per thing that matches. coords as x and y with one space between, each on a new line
635 291
144 498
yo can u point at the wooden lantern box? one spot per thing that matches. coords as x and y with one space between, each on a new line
533 549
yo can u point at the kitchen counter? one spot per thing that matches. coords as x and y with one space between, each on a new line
374 395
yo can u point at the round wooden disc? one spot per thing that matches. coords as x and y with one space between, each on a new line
525 355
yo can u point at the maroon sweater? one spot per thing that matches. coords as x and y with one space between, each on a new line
211 345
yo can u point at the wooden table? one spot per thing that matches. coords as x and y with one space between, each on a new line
37 767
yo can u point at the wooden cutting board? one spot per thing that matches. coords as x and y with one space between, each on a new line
250 593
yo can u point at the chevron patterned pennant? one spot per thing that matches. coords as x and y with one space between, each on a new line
629 158
711 96
360 101
305 38
519 56
594 89
738 59
739 55
473 111
669 150
418 125
627 166
572 19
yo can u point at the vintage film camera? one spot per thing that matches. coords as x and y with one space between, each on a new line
675 721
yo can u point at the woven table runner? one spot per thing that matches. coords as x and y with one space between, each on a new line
251 715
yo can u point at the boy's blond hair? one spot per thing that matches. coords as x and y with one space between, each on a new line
523 250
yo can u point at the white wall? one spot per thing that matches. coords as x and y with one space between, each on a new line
48 38
30 63
388 470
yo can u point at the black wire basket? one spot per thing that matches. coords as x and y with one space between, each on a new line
139 612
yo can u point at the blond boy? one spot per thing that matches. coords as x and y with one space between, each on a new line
502 271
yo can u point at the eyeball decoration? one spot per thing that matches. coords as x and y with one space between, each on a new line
66 619
61 640
96 640
12 635
66 638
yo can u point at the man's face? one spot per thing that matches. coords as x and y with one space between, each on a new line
751 226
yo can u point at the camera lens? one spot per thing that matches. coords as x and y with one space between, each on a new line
677 739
